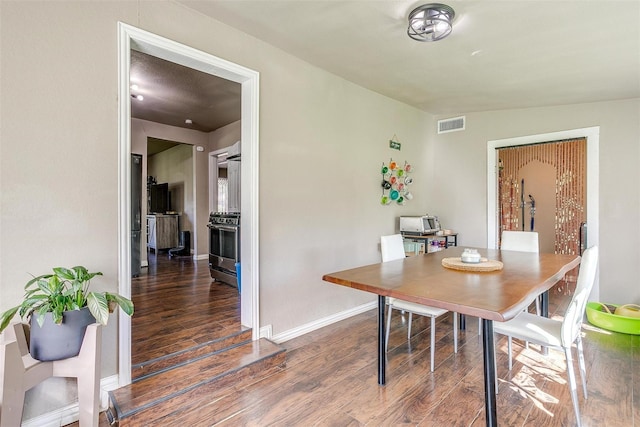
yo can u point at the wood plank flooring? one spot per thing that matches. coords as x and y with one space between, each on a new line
178 306
330 377
169 396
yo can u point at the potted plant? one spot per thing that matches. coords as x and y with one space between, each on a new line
62 307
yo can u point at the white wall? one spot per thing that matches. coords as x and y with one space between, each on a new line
175 167
225 136
462 194
540 182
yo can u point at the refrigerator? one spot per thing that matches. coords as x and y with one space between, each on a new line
136 213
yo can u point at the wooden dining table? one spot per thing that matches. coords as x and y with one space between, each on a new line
491 295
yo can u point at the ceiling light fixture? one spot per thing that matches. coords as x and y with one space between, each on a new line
430 22
138 97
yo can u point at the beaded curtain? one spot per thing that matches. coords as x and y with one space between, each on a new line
569 159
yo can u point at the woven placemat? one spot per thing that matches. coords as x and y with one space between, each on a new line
483 265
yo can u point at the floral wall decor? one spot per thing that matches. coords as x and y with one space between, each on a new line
396 180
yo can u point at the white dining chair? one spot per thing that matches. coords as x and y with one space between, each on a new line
392 248
521 241
560 334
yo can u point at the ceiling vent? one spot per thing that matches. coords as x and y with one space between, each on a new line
451 125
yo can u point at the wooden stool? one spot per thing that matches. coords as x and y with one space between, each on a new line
19 372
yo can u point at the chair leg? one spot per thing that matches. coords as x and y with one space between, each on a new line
509 346
11 381
526 343
89 362
455 332
86 368
88 400
433 340
583 370
495 363
12 411
409 328
572 384
479 326
386 341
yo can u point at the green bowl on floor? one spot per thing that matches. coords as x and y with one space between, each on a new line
612 322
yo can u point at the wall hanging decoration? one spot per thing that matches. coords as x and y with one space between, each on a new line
395 183
393 143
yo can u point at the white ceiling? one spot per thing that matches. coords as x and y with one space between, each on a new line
500 55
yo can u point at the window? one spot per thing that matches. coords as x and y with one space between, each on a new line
223 195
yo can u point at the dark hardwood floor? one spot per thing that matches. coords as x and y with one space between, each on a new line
330 374
178 306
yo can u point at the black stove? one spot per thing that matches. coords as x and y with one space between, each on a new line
229 218
224 246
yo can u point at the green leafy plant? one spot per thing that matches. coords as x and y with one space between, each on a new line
64 290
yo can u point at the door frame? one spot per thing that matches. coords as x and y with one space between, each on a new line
131 37
592 134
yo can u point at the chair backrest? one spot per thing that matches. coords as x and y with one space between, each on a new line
392 247
523 241
575 311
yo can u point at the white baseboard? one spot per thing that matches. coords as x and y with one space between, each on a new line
201 257
70 413
106 385
266 332
320 323
57 418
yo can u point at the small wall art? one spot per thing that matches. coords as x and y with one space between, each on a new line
396 180
394 143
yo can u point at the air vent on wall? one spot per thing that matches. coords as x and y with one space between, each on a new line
451 125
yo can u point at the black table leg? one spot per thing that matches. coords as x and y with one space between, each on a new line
382 359
491 415
462 322
544 304
544 311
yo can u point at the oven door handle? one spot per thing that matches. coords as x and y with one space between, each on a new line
222 227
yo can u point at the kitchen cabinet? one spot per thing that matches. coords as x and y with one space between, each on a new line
162 231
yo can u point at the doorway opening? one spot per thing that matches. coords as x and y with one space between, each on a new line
592 136
133 38
222 187
219 180
542 188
